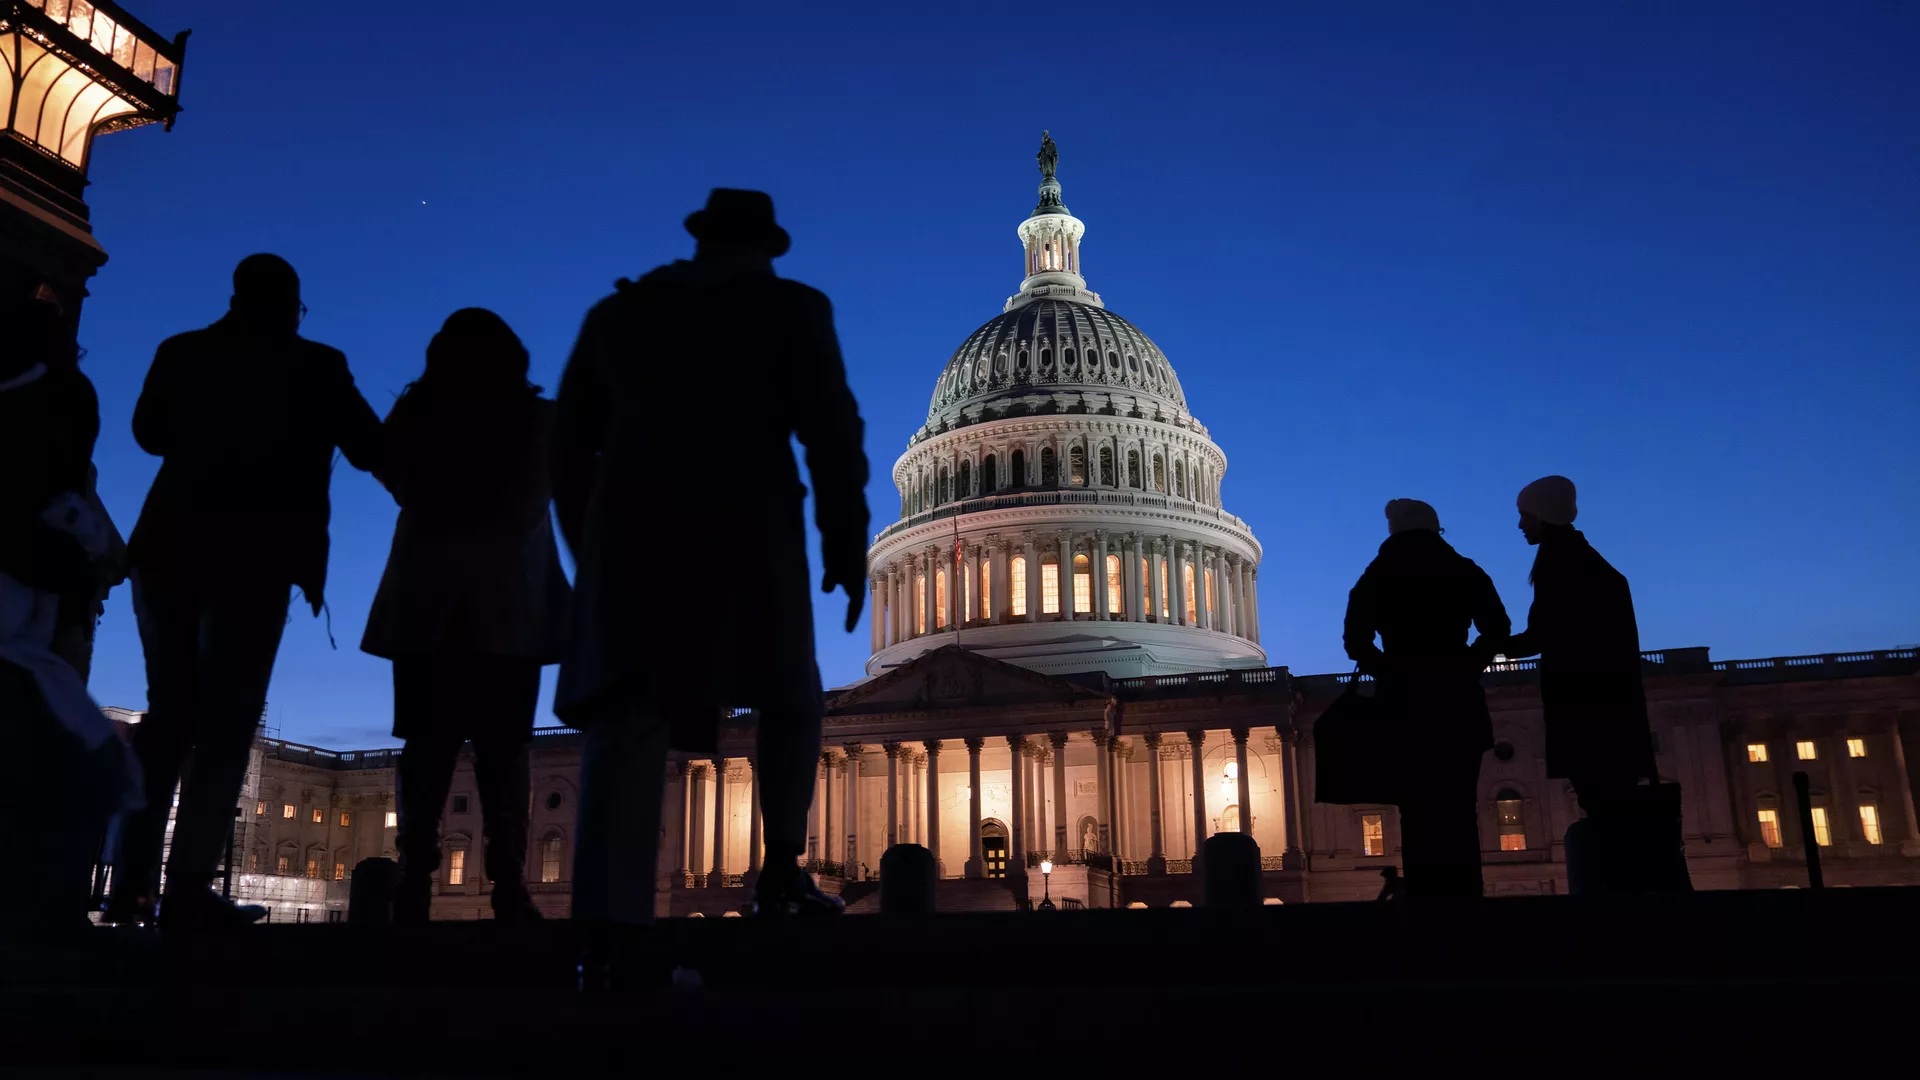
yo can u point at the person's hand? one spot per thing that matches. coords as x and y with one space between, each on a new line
845 567
856 596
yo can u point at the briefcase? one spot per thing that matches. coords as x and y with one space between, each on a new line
1356 750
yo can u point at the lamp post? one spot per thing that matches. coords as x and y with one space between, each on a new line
1046 885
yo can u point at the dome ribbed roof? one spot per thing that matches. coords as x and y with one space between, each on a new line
1054 345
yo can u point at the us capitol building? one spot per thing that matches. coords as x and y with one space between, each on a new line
1066 675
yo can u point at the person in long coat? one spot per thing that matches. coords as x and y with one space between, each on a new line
1581 624
473 601
246 416
679 496
1420 597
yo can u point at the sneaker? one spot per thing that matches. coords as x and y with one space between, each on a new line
203 909
797 895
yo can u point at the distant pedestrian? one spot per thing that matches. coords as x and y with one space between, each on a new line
659 414
245 415
1593 702
1420 597
473 601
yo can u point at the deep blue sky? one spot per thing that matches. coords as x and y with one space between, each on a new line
1391 252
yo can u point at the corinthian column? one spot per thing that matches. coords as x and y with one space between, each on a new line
1197 739
1067 604
1156 583
1028 549
1060 844
933 804
893 792
1102 601
1157 858
1017 856
976 857
1177 581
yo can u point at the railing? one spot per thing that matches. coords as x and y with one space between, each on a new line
1063 497
1131 868
1819 660
825 868
1272 862
1213 682
1658 659
1179 866
1069 903
733 881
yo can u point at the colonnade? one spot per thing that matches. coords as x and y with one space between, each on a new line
1035 813
1034 576
1112 462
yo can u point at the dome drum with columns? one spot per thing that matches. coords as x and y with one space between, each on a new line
1059 479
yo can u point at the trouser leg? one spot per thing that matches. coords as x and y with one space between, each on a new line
425 774
622 781
169 625
500 769
789 759
240 634
1440 830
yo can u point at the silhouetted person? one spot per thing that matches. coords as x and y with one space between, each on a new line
245 416
1593 703
1420 596
678 406
52 545
473 600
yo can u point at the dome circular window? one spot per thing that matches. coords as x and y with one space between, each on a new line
1021 364
1133 363
1066 359
1113 360
1046 359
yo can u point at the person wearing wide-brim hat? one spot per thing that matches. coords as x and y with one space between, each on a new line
682 395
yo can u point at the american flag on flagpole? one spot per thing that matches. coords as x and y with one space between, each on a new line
960 581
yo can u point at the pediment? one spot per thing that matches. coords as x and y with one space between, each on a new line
952 677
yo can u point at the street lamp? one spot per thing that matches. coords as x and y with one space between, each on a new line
1046 885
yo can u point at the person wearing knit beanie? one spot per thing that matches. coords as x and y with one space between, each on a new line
1404 514
1548 500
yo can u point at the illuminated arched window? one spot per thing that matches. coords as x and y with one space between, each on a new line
1146 588
1159 474
986 588
552 850
1049 468
1017 586
1017 471
1077 466
940 598
1049 585
1166 594
1186 572
919 602
1106 476
1513 831
1114 587
966 478
1213 616
1133 468
989 480
1082 585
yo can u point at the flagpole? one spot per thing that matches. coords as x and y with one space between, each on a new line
961 587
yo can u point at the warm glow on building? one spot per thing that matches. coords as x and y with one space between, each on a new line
1870 823
1770 828
1822 831
1856 748
1756 752
1804 749
77 69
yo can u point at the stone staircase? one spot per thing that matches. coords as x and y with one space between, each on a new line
953 895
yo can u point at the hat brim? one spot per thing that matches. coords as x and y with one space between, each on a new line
773 238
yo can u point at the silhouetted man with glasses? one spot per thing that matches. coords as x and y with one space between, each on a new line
246 415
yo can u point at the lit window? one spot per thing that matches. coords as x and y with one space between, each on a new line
457 866
313 868
393 819
459 804
1082 585
1114 587
346 819
339 871
965 604
1856 748
1770 827
1146 588
1513 833
1756 751
319 816
986 588
281 865
1373 834
920 602
940 598
1018 574
260 808
287 811
550 859
1822 832
1870 823
1165 598
253 862
1208 579
1049 588
1804 749
1186 571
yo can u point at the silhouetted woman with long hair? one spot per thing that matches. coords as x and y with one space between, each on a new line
473 601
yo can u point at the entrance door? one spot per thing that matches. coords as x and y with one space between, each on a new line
994 849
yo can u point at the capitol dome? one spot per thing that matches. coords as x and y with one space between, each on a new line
1061 507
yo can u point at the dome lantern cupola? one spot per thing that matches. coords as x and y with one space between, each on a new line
1051 240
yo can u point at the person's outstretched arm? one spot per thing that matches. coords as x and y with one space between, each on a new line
154 418
828 424
354 425
579 431
1361 625
1490 618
